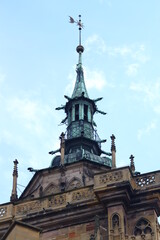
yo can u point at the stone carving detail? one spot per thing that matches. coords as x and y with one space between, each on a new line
3 212
51 189
142 228
74 183
27 208
57 200
38 206
115 221
111 177
82 195
145 181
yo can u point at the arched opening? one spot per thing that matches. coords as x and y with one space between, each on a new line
142 227
115 221
85 112
76 112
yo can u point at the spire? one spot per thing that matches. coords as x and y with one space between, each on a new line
62 147
81 140
113 150
132 166
80 87
15 176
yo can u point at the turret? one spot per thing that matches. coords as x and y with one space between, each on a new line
14 195
81 138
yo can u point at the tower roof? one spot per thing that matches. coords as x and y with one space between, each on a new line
80 87
81 139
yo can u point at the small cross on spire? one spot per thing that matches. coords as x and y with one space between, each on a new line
15 176
132 166
113 150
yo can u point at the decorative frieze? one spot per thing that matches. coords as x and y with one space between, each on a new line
56 201
83 194
110 177
38 206
53 202
30 207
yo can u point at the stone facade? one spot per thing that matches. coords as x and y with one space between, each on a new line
83 195
126 206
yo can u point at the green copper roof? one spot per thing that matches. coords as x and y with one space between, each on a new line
80 87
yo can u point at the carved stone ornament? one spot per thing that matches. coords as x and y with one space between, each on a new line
38 206
57 200
83 194
110 177
3 212
28 207
51 189
74 183
145 180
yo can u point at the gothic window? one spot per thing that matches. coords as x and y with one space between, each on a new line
115 221
74 183
51 189
85 112
142 227
70 115
76 112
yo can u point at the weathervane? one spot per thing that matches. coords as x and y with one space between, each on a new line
79 23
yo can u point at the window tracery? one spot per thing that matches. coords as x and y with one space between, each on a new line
142 227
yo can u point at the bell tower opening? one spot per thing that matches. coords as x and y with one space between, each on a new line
76 112
85 112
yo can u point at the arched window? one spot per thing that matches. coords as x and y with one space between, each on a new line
76 112
142 227
70 116
85 112
115 221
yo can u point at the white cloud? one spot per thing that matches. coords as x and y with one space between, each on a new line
157 109
147 130
134 55
150 90
30 113
93 79
149 93
96 43
122 51
7 136
132 69
134 52
140 55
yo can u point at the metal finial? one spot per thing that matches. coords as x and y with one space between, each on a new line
132 165
62 147
80 28
80 25
113 146
14 195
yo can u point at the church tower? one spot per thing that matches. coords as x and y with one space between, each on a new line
83 195
81 138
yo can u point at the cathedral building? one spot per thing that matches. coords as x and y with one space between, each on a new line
83 194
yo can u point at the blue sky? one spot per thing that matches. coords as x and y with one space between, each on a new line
37 67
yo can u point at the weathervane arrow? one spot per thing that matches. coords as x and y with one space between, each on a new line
79 23
71 20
